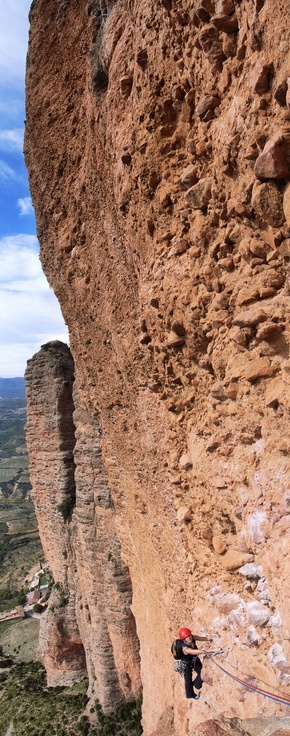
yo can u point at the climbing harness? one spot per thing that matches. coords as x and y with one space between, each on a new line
180 667
265 693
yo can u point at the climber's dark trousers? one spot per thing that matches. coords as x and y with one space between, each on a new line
190 680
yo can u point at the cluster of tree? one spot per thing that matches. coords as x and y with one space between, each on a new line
12 597
34 708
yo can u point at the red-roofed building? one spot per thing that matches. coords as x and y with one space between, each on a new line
33 597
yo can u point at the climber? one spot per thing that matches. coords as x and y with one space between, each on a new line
190 657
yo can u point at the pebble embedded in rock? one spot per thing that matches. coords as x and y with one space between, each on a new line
199 195
229 44
218 392
188 177
250 317
258 368
219 545
252 636
277 392
179 246
267 202
224 7
260 78
247 295
251 571
184 514
257 614
207 104
274 161
174 340
227 263
268 330
211 44
233 559
185 462
202 14
286 204
226 23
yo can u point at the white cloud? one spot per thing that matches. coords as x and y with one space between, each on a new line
19 260
30 313
25 206
14 356
6 173
11 140
30 317
13 41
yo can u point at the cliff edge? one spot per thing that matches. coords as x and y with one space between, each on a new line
158 148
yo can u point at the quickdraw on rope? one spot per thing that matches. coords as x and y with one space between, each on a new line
284 700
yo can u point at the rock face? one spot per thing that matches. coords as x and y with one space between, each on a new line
157 142
89 627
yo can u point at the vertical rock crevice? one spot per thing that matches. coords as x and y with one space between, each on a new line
104 602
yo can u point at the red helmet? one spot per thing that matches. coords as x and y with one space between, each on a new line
184 633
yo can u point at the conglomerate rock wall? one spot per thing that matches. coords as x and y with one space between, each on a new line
158 149
88 628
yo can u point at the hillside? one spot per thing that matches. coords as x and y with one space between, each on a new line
12 388
20 546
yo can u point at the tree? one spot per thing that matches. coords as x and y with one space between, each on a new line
37 608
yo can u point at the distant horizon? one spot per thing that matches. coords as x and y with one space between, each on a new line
10 378
12 388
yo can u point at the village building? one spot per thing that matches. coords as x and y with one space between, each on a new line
17 612
33 597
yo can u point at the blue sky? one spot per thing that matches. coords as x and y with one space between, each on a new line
29 312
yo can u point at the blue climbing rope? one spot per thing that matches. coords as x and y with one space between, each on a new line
265 693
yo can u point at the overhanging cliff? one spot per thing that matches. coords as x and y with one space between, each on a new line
158 149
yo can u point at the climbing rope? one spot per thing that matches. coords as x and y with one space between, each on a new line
265 693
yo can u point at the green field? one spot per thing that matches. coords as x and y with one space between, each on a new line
14 470
17 517
20 547
18 554
20 639
12 435
14 467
